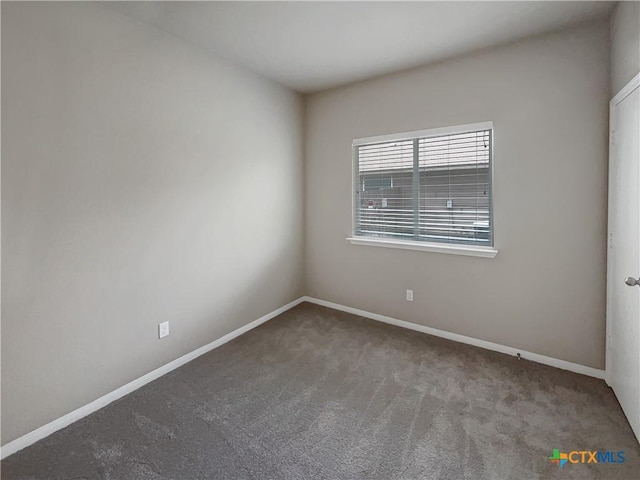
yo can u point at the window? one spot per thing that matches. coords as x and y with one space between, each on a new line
433 186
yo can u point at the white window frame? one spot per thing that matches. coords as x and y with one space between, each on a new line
456 249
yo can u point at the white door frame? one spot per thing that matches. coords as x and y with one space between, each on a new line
615 101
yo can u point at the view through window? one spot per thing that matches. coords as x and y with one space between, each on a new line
428 188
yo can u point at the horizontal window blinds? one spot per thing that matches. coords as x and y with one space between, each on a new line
431 189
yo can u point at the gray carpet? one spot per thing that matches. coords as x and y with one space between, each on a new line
320 394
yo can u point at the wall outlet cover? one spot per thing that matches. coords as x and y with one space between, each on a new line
163 329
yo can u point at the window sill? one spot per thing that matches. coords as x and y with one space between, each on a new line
469 250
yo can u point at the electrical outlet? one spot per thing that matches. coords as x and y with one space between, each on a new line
163 329
409 295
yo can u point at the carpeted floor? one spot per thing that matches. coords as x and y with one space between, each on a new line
320 394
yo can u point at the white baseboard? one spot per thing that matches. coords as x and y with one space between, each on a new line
51 427
534 357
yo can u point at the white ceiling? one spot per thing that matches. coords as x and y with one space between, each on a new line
311 46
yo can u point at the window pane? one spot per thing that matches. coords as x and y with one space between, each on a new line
455 188
385 200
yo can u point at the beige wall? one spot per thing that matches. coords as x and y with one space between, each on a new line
143 180
625 44
545 291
